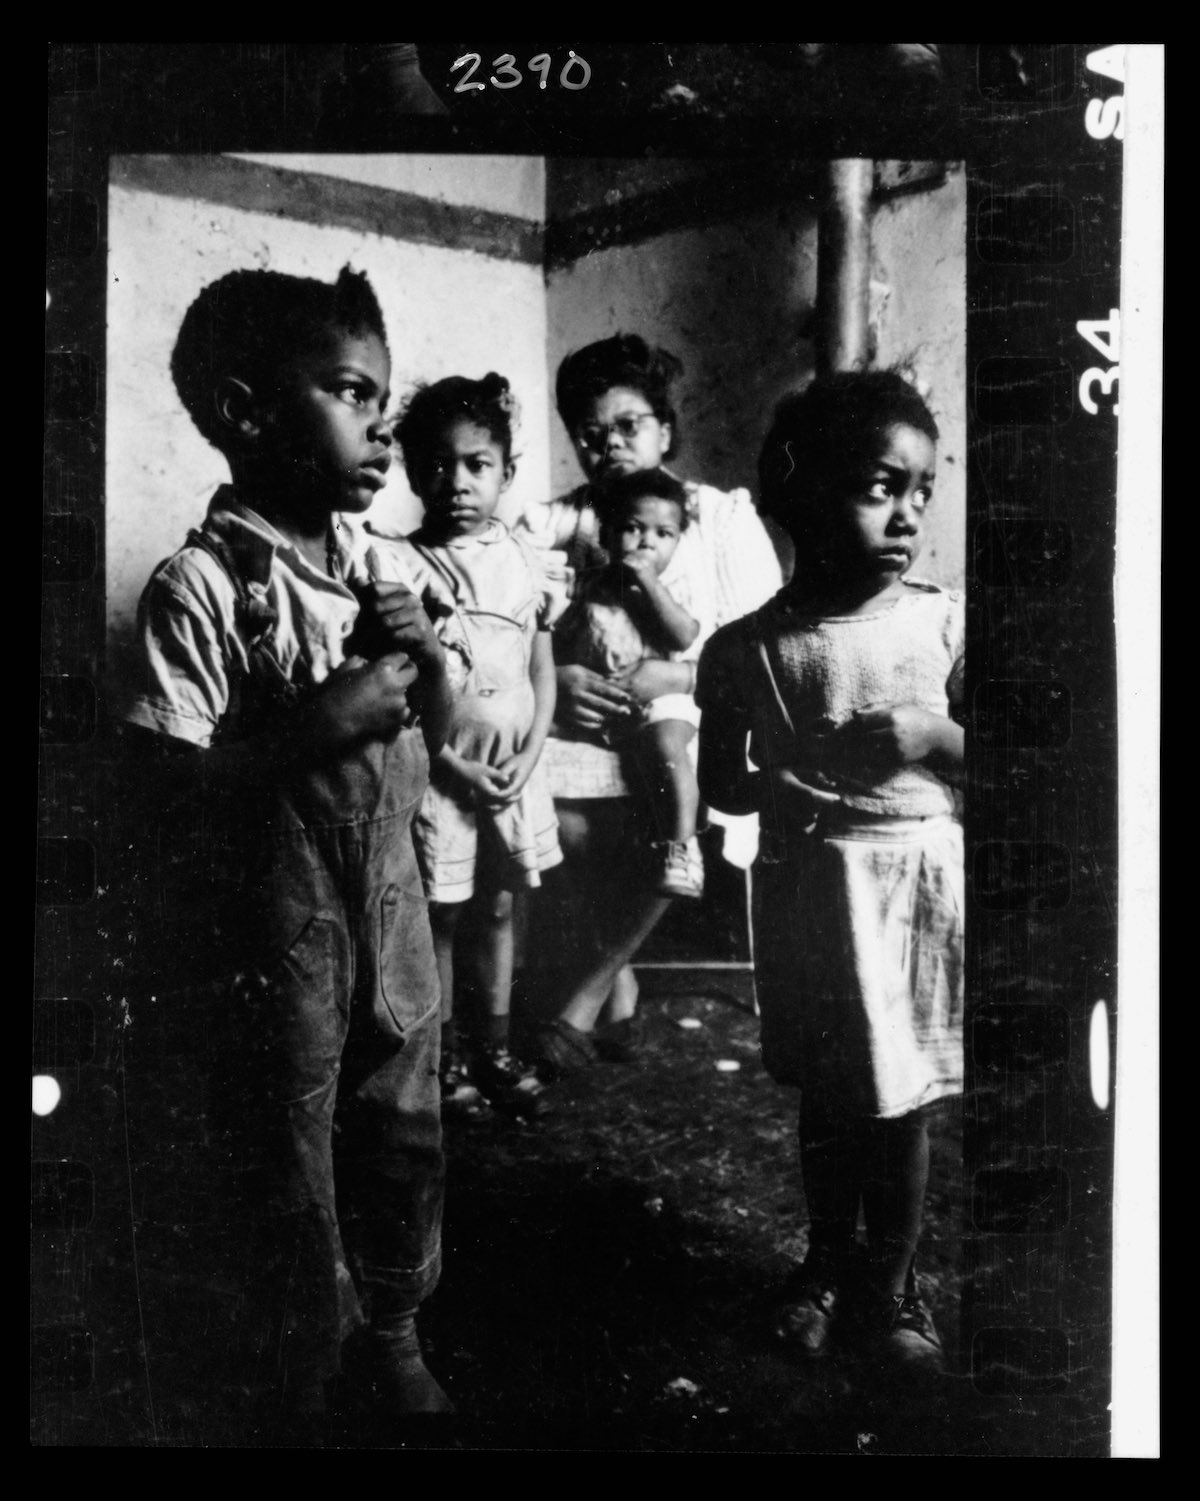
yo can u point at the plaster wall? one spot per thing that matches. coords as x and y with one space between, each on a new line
504 184
447 312
731 300
735 299
918 246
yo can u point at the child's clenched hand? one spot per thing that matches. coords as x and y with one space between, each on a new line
393 619
895 734
361 701
639 566
516 771
485 782
793 803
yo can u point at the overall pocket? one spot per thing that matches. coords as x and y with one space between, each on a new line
407 992
296 1008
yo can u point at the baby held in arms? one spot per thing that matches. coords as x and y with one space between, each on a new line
621 615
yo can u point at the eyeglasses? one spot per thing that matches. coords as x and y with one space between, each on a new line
595 435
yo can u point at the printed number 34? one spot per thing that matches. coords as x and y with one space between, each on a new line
1104 335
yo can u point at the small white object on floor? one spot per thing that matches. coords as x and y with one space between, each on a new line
727 1065
689 1023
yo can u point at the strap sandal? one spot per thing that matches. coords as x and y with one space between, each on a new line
560 1049
460 1094
508 1084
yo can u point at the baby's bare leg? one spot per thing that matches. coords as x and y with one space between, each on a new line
658 754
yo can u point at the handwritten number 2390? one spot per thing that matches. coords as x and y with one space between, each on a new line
505 64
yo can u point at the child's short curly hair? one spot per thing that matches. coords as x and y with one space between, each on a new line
249 324
614 498
625 360
488 403
819 437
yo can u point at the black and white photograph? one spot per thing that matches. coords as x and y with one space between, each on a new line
577 878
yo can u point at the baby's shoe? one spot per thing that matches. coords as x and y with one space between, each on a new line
508 1084
682 869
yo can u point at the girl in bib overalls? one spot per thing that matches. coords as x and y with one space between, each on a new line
487 825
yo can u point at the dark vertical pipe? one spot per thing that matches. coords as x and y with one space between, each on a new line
844 267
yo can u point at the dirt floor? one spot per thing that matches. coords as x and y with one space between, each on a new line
616 1262
610 1271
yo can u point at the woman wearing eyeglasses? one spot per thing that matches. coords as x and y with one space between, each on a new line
614 398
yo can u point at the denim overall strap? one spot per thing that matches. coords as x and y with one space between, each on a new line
248 570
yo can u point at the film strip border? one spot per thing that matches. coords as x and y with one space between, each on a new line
1041 800
1040 127
77 996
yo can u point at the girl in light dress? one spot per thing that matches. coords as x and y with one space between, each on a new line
842 688
487 826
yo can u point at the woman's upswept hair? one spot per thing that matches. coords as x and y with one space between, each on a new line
625 360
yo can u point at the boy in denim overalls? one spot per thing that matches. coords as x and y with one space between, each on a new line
301 690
